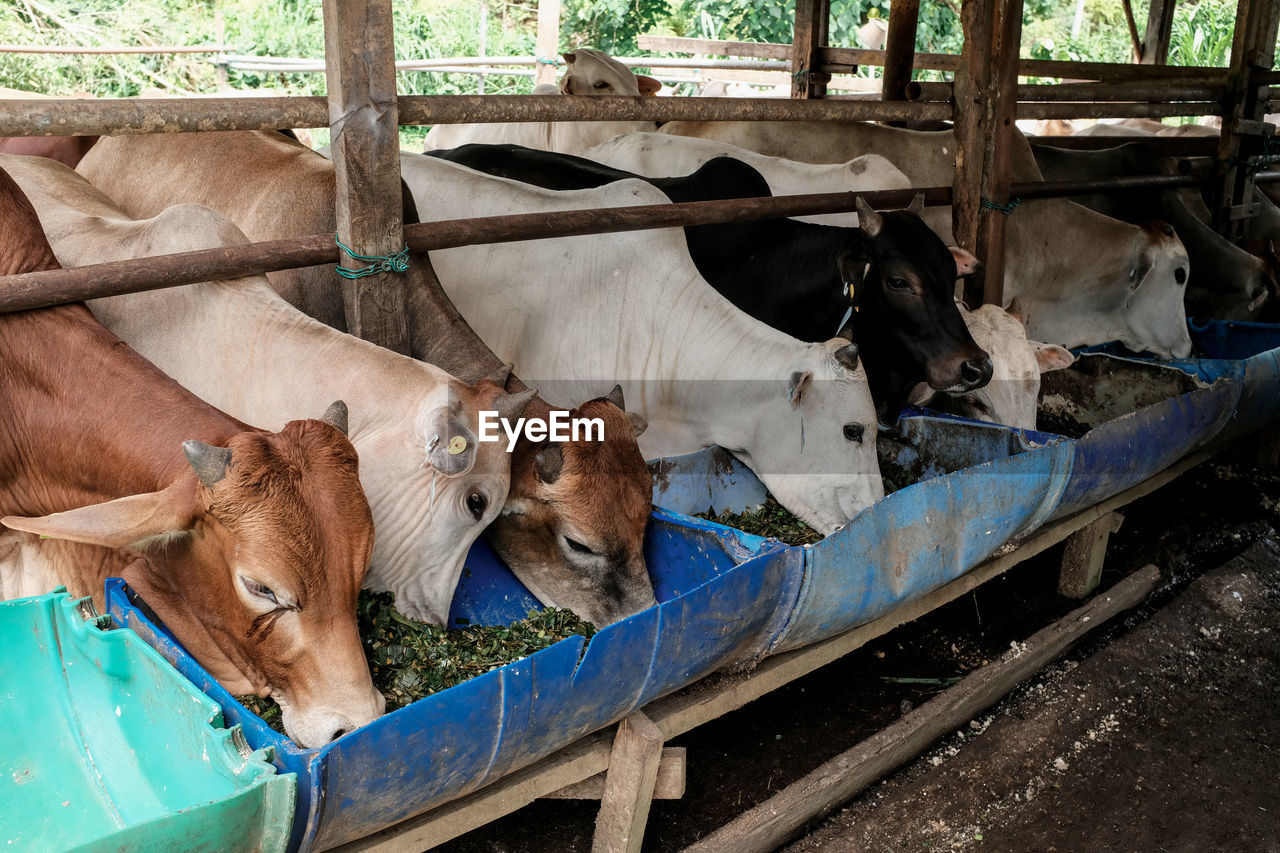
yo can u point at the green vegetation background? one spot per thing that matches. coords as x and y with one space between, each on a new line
445 28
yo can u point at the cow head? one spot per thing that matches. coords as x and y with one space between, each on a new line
441 484
904 276
573 527
253 557
813 434
1011 395
1154 311
593 72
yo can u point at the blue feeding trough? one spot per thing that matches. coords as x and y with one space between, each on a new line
724 596
1233 339
1138 418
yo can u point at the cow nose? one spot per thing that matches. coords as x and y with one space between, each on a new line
976 372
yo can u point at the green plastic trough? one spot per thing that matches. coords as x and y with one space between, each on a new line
105 747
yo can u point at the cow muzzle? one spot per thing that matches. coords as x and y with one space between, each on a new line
318 725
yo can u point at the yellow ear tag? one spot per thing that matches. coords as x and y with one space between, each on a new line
457 444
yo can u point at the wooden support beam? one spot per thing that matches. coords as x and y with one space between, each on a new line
769 824
899 49
669 784
1252 52
547 43
360 58
1155 44
812 18
628 789
1083 555
986 106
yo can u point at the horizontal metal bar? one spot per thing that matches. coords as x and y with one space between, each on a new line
113 116
56 287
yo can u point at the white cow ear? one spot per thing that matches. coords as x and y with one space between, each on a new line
450 443
115 524
966 261
1015 310
1052 356
796 386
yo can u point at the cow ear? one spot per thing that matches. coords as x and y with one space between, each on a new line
796 386
917 205
648 85
638 423
847 355
1015 310
570 57
548 463
450 443
853 267
120 523
966 261
1052 356
868 220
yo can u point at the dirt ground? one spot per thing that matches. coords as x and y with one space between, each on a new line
1185 724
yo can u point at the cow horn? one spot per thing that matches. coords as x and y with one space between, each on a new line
509 406
615 397
548 462
336 416
210 463
848 355
917 204
500 376
868 220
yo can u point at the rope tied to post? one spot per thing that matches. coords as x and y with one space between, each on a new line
554 63
399 262
796 75
1255 163
1006 209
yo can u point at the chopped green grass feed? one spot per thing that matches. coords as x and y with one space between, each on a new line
410 660
772 519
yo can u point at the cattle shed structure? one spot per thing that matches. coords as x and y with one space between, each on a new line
1059 495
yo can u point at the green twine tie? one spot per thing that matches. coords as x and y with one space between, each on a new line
398 262
1006 209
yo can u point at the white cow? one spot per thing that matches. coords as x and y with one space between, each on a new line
659 155
1010 397
1084 278
577 312
431 485
590 73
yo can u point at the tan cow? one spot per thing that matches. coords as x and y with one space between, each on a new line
250 545
432 486
590 73
576 538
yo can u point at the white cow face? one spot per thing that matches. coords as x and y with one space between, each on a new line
1010 398
443 486
815 438
593 72
1155 316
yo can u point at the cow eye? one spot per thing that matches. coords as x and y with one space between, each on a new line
853 432
601 84
898 284
259 590
575 545
476 504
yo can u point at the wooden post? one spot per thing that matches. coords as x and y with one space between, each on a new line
1083 555
1155 44
899 49
360 73
1252 51
812 18
667 785
628 788
548 41
985 106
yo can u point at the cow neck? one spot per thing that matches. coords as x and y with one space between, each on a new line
97 421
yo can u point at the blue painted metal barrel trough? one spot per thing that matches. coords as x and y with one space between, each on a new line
728 598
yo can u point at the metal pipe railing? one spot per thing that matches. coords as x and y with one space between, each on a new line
55 287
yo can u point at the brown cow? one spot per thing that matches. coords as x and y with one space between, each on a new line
572 528
250 545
